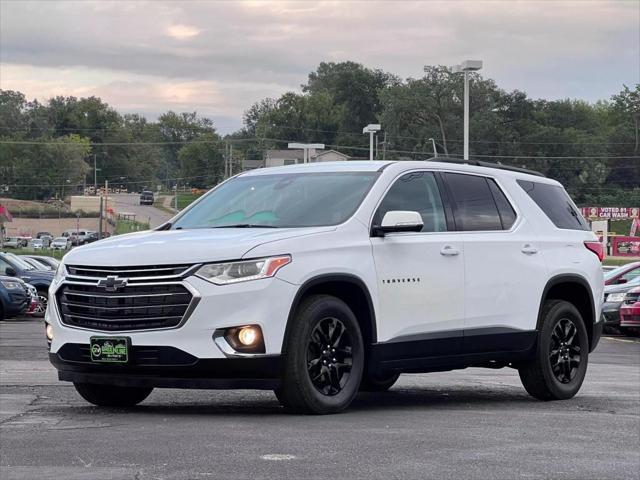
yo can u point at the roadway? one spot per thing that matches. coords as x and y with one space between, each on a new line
473 424
130 203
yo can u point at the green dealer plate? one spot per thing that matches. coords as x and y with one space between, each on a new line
110 349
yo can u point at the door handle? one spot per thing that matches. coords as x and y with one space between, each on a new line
529 250
449 251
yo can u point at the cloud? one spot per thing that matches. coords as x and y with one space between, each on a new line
182 32
220 57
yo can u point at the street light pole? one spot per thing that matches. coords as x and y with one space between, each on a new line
435 151
466 67
305 149
371 129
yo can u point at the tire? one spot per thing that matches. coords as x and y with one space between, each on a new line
314 380
112 396
375 383
562 331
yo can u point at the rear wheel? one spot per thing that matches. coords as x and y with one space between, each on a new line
112 396
562 354
324 359
378 383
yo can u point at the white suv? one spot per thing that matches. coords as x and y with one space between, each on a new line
320 280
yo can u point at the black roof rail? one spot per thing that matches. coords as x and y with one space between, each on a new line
480 163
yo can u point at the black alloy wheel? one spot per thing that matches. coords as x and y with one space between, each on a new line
565 350
329 356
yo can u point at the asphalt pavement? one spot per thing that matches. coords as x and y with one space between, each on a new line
471 424
130 203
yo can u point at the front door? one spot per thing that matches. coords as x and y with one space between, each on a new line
420 274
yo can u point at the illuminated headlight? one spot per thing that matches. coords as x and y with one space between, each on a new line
11 285
615 297
242 271
61 272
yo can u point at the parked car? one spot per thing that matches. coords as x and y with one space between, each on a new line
52 262
12 265
36 244
622 274
93 237
12 242
61 243
630 312
14 299
34 300
36 263
146 197
407 267
613 298
43 234
79 237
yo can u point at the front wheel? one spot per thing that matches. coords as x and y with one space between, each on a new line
112 396
41 307
324 358
562 354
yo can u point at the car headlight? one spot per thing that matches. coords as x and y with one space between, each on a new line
61 272
12 285
242 271
615 297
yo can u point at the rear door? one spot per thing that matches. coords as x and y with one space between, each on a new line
504 276
420 274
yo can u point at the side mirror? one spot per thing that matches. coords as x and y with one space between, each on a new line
398 221
10 272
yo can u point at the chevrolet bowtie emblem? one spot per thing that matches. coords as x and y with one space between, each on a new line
112 283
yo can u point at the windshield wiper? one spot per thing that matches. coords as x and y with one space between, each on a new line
245 225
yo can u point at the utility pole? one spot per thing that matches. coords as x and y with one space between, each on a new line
384 146
100 221
231 159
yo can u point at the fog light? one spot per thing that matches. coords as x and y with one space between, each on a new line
248 335
49 332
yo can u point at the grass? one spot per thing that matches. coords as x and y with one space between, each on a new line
128 226
45 252
617 261
186 199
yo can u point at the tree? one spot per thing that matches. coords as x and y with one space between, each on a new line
202 163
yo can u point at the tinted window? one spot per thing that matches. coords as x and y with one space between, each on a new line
417 192
507 214
474 207
556 204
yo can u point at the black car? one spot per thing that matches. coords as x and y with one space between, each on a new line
14 298
146 197
13 266
93 237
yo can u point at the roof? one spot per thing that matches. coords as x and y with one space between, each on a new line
377 165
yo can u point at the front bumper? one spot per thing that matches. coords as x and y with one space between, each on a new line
263 302
611 313
167 367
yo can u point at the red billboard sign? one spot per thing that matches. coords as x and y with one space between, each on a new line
610 213
625 246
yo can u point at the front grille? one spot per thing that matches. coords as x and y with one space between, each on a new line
147 272
134 307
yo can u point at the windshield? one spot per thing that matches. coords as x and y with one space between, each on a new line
18 261
615 272
281 200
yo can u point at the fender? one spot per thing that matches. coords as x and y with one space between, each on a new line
567 278
329 278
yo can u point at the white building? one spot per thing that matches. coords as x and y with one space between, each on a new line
277 158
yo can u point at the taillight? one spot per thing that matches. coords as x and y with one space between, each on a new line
596 247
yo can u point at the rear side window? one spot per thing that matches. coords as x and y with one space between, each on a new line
556 204
478 203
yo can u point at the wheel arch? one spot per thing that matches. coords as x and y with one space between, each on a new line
348 288
576 290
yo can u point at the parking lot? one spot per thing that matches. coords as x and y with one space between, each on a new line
472 423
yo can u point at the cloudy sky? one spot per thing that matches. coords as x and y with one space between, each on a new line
218 57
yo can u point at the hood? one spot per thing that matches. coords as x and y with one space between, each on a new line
620 288
29 275
171 247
